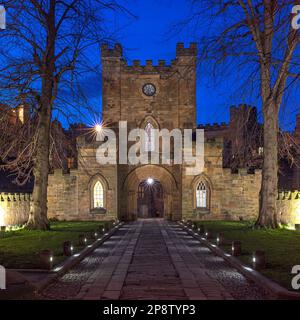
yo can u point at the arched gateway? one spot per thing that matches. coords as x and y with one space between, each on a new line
155 182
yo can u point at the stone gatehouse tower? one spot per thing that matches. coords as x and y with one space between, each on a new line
151 96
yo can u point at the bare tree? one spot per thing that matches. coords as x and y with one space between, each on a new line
254 37
43 50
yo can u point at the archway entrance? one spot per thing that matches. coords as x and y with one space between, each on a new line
134 186
150 199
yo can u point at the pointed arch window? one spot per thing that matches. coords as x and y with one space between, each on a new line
150 138
202 196
98 194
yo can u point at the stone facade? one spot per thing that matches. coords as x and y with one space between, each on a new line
288 207
217 193
232 196
229 196
227 189
14 208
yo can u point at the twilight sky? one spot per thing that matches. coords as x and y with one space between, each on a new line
151 36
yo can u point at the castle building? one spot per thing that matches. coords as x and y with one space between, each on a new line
156 97
161 97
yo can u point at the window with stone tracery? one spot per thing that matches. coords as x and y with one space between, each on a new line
98 195
202 196
150 138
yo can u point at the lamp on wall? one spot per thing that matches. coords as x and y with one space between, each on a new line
150 181
98 127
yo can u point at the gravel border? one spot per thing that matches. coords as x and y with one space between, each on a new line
274 288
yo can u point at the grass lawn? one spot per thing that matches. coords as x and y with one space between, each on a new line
282 247
20 249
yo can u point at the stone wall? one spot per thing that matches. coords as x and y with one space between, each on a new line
288 207
69 195
14 208
231 196
173 105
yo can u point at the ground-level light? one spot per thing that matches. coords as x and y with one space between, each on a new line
259 260
236 248
67 248
46 259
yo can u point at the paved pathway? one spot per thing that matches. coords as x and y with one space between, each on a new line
153 259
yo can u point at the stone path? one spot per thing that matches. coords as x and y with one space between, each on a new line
153 259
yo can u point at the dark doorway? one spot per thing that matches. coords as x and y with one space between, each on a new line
150 202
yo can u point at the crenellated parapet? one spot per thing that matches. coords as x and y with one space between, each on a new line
189 51
115 54
214 126
14 197
288 195
288 207
112 52
242 172
14 208
149 67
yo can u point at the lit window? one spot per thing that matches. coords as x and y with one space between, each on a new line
98 195
201 195
150 138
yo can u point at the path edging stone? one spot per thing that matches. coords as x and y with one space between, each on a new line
70 262
251 274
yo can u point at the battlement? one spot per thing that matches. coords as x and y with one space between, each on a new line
288 195
242 172
149 67
242 108
182 51
14 197
114 52
214 126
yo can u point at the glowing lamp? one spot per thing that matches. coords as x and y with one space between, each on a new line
220 239
46 259
150 181
201 229
67 248
259 260
236 248
98 128
82 239
208 235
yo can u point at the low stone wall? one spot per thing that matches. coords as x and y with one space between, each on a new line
14 208
288 207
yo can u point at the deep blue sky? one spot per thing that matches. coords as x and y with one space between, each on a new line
151 36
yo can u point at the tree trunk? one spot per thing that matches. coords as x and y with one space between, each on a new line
38 210
268 194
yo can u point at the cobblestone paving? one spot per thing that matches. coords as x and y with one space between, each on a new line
153 259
